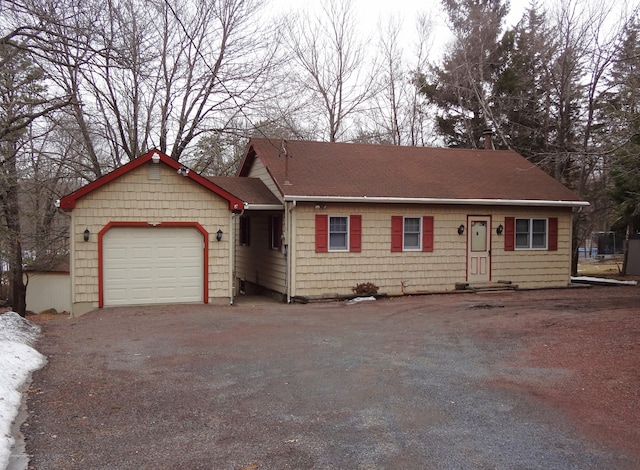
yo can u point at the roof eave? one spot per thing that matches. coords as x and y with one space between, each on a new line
263 207
450 201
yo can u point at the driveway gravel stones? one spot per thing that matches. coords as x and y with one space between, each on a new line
442 382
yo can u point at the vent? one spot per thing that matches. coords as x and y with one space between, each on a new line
154 172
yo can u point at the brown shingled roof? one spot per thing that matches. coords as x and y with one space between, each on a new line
249 190
362 170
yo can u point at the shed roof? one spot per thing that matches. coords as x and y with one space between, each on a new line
304 170
252 191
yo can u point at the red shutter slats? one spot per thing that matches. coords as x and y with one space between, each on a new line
355 233
509 233
553 234
322 233
397 229
427 233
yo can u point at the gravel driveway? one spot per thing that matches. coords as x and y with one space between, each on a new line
442 382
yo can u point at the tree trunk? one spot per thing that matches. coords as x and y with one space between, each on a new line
11 211
18 287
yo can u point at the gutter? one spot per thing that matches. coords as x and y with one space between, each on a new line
427 200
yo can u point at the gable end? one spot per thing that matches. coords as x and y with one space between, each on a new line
68 203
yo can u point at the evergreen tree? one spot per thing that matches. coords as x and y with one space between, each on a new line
461 87
620 113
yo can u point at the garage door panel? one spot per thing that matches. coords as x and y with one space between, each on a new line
151 265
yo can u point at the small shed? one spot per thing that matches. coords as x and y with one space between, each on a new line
48 285
632 261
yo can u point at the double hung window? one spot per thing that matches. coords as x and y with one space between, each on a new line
338 233
531 234
412 234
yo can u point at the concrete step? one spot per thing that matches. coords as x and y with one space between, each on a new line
486 286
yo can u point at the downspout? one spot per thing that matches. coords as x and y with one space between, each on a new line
232 254
290 248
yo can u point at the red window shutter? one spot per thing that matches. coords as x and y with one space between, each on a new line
322 233
553 234
427 233
509 233
397 230
355 233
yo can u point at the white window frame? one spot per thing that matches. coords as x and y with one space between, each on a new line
530 234
404 234
347 234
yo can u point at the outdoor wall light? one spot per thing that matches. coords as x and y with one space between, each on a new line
461 229
499 229
155 158
219 235
86 235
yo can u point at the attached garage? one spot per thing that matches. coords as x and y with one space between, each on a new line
151 233
152 265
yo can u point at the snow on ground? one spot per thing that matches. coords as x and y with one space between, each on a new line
602 281
17 360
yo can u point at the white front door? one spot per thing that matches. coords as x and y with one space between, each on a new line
478 249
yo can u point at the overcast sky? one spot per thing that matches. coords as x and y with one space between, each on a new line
371 12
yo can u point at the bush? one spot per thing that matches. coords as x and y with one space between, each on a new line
366 288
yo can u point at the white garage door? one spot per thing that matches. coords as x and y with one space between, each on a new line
152 265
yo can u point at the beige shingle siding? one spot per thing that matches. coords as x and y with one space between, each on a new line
134 197
337 272
258 170
258 263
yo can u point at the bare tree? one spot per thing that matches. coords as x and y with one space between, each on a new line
397 113
22 98
331 61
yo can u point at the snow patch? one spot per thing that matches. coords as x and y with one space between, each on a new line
18 359
357 300
602 280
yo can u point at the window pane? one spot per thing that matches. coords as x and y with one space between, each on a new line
412 224
522 240
539 240
338 241
275 231
539 236
338 224
478 236
539 225
411 241
523 236
522 226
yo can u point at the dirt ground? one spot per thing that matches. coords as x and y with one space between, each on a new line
530 379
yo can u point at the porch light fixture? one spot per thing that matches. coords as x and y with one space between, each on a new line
155 158
86 234
461 229
219 235
499 229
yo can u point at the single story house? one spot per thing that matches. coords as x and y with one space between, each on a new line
314 219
